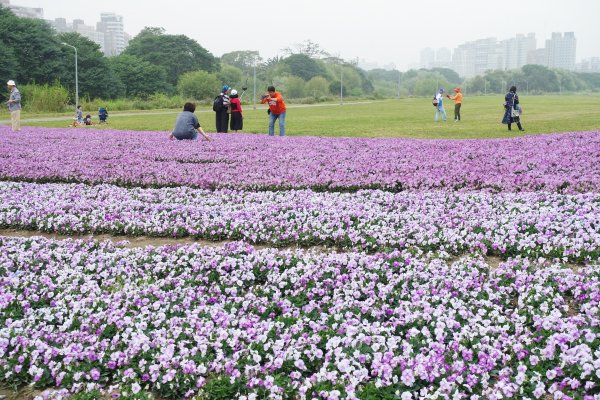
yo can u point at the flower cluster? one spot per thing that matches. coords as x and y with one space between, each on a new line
236 322
534 224
568 162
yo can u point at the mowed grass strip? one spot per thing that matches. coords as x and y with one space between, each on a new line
409 117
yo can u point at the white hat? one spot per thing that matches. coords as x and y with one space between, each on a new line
11 83
234 92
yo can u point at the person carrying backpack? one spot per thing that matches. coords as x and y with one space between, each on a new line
439 107
221 109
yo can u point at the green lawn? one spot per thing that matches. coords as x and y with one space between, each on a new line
411 117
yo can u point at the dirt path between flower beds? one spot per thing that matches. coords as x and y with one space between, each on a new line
143 241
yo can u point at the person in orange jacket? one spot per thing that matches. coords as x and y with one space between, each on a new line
276 110
457 103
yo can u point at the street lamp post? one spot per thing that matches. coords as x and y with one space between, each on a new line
76 79
254 91
341 84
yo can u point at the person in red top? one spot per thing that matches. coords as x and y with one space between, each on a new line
237 121
276 110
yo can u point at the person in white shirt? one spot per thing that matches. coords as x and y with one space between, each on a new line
440 106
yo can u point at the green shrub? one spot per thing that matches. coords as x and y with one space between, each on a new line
44 98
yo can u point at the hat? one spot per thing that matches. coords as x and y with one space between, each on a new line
457 89
233 92
225 88
11 83
441 90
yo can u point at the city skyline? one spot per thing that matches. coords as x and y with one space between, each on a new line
352 34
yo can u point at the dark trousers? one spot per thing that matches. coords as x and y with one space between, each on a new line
222 120
457 111
518 122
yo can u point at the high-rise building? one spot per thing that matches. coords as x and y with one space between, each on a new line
560 50
24 12
427 57
589 65
431 58
89 32
443 58
115 39
477 57
518 51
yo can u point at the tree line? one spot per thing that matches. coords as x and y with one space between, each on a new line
156 64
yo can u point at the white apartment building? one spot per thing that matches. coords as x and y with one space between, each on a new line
560 50
477 57
518 51
115 39
24 12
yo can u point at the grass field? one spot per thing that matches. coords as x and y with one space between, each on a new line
410 117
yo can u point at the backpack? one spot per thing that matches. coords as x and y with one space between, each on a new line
435 101
218 105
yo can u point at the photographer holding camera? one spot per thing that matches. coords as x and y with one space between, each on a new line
276 110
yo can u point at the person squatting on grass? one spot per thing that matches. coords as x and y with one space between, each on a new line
512 109
276 110
187 125
439 109
457 103
14 105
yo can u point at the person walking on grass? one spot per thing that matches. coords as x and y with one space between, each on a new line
237 120
14 105
187 125
276 110
457 103
512 109
439 109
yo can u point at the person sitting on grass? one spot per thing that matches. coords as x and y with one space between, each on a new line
88 120
187 125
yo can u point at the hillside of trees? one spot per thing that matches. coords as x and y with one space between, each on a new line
159 65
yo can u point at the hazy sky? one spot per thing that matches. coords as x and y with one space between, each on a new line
377 31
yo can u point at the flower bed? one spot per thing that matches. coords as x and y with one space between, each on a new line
240 323
530 224
567 162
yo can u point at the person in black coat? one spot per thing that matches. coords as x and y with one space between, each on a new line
511 102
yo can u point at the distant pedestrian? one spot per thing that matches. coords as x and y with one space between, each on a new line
221 109
187 125
512 109
457 103
439 109
78 120
14 105
276 110
237 120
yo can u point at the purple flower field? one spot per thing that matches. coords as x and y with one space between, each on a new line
435 269
282 324
533 224
567 162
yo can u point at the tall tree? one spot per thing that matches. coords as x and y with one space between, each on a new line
243 59
139 77
177 54
35 48
304 66
96 78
